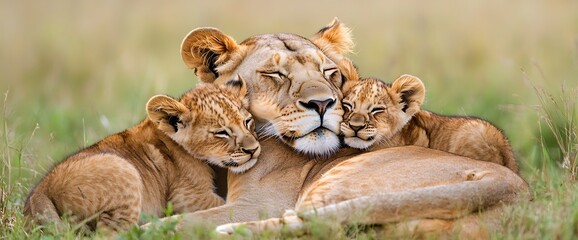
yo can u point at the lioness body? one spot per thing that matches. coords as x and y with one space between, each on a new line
276 67
404 189
379 116
143 168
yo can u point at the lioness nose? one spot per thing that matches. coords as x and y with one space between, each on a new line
318 105
249 150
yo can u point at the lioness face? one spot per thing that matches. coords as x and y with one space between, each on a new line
211 123
293 82
375 112
294 92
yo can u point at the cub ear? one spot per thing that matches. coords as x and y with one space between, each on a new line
204 49
411 92
335 37
166 113
238 87
349 73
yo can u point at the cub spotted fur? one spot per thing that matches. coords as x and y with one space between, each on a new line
378 116
162 159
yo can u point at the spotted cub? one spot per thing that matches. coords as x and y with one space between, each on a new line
164 159
378 115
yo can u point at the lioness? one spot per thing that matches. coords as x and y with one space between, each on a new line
162 159
378 116
293 86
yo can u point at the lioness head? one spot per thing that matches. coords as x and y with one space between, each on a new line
211 123
293 82
375 111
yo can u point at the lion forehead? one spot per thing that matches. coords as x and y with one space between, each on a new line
279 41
215 104
270 52
369 91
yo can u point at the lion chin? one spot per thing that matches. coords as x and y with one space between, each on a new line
358 143
319 142
243 167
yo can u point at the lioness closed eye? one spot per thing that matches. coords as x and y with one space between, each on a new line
163 159
379 116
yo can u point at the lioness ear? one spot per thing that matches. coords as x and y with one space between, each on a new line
204 49
411 92
238 87
335 37
349 73
166 112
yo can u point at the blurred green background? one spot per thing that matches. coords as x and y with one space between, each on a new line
75 71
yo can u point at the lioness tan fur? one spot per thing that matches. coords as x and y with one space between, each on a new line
293 86
162 159
378 116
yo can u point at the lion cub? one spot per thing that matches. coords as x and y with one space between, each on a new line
162 159
378 116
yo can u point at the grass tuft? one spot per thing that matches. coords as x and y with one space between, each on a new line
558 126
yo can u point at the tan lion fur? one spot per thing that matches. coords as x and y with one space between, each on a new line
378 116
162 159
281 70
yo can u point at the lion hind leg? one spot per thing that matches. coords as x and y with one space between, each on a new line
479 191
41 209
118 219
439 202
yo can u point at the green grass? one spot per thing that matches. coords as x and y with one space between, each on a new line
72 72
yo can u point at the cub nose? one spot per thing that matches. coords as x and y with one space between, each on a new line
318 105
356 127
357 122
249 150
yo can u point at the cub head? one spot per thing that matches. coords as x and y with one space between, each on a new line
211 123
293 82
375 111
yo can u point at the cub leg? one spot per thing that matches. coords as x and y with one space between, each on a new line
190 197
119 218
104 190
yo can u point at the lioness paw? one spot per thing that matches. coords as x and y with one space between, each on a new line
230 228
292 220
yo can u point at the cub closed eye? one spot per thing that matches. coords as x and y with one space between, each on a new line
347 106
222 134
249 123
377 110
